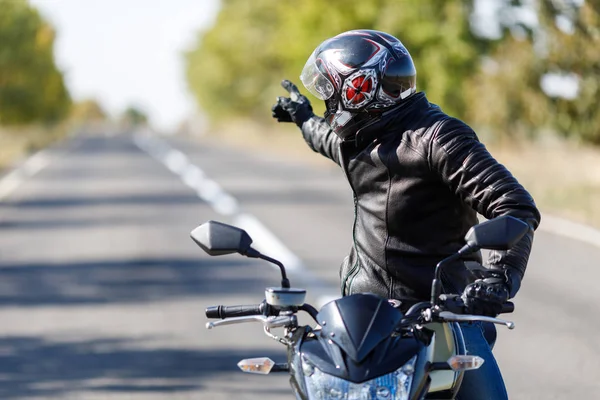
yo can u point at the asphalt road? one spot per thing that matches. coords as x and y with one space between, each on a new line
102 292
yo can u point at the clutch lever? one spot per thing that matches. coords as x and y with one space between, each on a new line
268 322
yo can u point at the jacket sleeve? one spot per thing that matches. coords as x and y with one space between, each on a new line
321 138
473 174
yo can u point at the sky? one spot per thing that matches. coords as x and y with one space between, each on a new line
129 52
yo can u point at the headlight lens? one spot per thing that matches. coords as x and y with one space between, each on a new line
393 386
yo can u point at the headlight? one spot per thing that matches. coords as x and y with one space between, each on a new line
393 386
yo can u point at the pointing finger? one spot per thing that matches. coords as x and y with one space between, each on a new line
291 88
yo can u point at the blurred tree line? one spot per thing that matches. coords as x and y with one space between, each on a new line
495 82
32 88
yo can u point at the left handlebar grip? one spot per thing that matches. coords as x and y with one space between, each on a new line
223 312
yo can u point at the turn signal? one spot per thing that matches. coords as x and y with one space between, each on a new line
465 363
261 365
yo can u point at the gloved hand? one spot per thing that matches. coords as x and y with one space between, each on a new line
295 108
486 296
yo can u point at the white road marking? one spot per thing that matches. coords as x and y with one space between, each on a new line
10 183
29 168
36 163
176 161
225 204
192 176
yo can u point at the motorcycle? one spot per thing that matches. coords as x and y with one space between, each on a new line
362 346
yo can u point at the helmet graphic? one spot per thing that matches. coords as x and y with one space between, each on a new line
360 75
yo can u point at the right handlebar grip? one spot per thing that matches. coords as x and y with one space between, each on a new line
223 312
508 307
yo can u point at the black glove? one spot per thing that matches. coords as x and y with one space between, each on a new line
295 108
486 296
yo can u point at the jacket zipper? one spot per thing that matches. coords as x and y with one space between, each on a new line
354 269
349 278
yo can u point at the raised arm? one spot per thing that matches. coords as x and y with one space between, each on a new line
321 138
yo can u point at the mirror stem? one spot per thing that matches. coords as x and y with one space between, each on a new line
436 287
252 253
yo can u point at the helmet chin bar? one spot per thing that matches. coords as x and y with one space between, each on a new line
352 122
347 124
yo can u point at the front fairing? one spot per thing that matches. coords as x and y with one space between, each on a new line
329 358
358 349
319 352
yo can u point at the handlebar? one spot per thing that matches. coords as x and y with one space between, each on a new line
453 309
455 304
508 307
223 312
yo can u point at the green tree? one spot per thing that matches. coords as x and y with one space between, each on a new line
508 85
505 95
31 86
574 48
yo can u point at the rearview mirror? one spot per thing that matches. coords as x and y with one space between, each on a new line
497 234
216 238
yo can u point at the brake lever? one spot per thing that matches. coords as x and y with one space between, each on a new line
450 316
268 322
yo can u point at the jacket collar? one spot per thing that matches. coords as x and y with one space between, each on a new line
370 133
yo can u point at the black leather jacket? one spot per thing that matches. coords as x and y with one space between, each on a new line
419 179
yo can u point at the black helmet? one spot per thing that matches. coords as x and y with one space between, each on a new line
360 74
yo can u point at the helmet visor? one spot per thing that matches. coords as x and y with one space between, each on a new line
314 81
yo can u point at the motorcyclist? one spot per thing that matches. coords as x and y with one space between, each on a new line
419 178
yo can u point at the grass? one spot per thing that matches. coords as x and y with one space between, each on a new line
563 178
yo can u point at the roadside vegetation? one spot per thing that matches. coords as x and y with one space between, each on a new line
524 73
34 100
